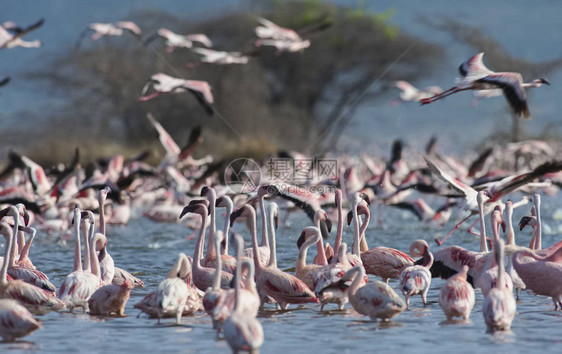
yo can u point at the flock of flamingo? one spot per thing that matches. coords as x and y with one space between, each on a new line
231 289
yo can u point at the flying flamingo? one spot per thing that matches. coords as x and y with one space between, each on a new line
211 56
174 40
10 40
36 300
476 76
241 329
499 305
164 84
282 287
79 285
110 299
172 292
284 45
249 299
416 279
410 93
381 261
15 320
456 297
376 300
203 277
109 29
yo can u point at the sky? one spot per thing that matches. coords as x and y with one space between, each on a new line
530 30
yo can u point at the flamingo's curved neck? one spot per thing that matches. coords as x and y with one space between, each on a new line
173 273
87 226
357 280
14 249
510 234
363 245
200 240
77 248
322 260
427 258
538 238
496 233
25 251
226 228
211 251
301 258
356 234
257 264
101 201
218 266
264 236
7 232
272 242
500 284
339 231
483 244
93 259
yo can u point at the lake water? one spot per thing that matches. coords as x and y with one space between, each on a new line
148 250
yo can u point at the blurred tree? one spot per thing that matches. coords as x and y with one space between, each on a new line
276 101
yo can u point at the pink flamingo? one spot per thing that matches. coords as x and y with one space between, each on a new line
476 76
22 270
249 299
381 261
376 300
487 280
228 262
282 287
510 248
456 297
264 250
225 202
37 300
328 288
174 40
9 40
203 277
172 292
499 305
241 329
110 299
79 285
109 29
220 57
308 273
321 257
16 321
535 222
416 279
543 275
149 305
411 93
214 293
273 212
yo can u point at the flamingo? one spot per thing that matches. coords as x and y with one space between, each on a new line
456 297
381 261
376 300
79 285
416 279
241 329
149 305
410 93
109 29
107 265
487 280
321 258
308 273
15 320
476 76
282 287
203 277
264 250
228 262
499 304
249 301
172 292
174 40
225 202
284 45
270 30
36 300
535 222
10 40
221 57
22 270
110 299
273 212
164 84
214 293
510 248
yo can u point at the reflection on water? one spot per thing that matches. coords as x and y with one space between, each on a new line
536 326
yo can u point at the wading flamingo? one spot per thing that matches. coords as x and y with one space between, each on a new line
172 292
499 305
416 279
110 299
456 297
308 272
241 329
282 287
15 320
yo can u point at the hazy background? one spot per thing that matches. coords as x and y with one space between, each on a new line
526 30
